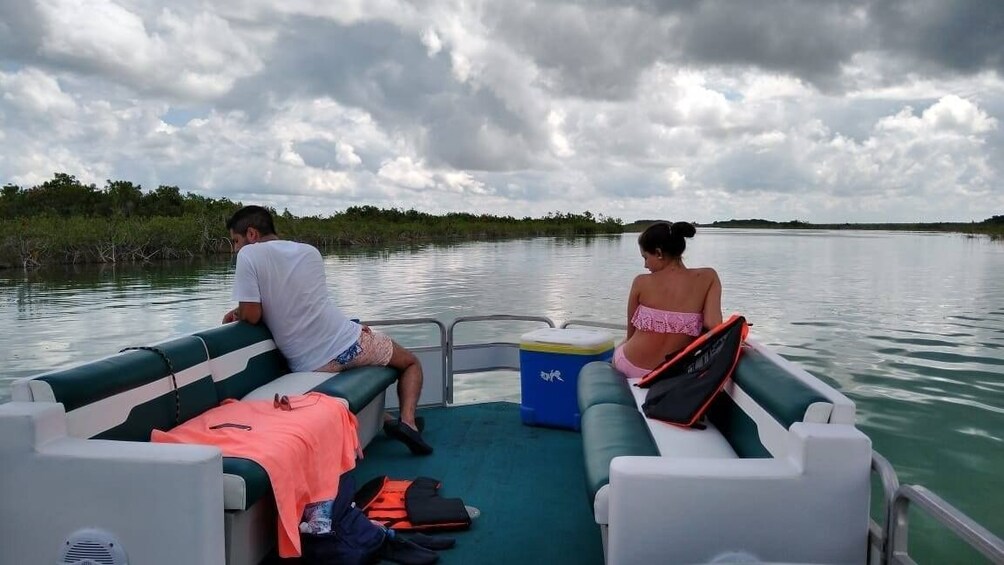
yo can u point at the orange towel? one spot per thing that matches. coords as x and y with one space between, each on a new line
304 450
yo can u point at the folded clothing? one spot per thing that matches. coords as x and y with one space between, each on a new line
304 445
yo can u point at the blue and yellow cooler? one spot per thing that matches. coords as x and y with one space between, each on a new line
550 360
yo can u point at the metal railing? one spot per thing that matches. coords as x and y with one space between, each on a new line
975 535
877 536
452 347
590 323
888 542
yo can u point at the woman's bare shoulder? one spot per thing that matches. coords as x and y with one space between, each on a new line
705 272
642 278
639 282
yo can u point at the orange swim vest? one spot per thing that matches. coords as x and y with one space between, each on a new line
411 505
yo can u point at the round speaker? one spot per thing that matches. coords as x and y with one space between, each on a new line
92 547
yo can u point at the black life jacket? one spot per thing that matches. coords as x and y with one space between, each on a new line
682 388
411 505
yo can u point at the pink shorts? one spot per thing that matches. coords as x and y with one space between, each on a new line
375 349
627 368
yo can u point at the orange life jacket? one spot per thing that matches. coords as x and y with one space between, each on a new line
411 505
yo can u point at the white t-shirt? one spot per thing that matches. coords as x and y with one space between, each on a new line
287 279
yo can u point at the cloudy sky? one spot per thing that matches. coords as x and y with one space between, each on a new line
860 110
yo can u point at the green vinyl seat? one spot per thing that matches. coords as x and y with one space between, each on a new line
358 386
600 383
613 430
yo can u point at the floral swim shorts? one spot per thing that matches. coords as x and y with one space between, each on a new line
372 348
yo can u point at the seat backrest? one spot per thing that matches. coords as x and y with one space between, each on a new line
242 357
762 402
127 395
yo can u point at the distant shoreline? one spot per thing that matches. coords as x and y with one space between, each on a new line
993 227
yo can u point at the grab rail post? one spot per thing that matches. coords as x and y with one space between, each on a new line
448 394
890 483
978 537
590 323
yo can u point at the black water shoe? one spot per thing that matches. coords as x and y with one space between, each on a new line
405 434
405 552
419 423
430 542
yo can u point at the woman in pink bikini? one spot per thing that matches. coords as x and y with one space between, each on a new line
669 307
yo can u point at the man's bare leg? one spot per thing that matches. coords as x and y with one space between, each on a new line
409 387
409 384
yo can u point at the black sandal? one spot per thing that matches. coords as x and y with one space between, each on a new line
405 434
419 423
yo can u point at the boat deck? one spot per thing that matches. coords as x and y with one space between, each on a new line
528 483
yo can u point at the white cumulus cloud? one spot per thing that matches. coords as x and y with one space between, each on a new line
705 110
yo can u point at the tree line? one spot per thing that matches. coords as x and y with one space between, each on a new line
993 225
64 196
63 220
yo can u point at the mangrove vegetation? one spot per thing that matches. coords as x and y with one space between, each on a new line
65 221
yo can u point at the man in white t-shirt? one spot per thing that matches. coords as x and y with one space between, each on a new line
283 284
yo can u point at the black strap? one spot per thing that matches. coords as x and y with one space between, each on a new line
174 378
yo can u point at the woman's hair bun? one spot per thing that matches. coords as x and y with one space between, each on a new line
684 229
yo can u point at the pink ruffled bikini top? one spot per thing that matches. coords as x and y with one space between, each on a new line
666 322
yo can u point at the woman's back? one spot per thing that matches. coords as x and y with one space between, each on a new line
670 312
669 307
676 289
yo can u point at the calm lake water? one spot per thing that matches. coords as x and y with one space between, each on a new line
909 325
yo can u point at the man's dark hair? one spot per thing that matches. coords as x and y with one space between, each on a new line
255 217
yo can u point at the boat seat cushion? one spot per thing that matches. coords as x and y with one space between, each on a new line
242 358
787 399
245 482
358 385
613 430
737 427
292 383
125 396
751 421
244 361
600 383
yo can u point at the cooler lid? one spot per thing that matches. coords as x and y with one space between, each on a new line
568 340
